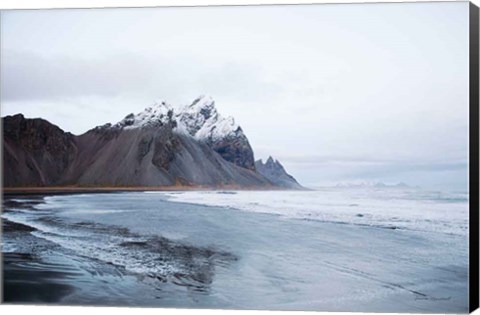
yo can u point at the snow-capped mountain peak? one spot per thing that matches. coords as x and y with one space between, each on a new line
202 120
199 120
159 113
205 105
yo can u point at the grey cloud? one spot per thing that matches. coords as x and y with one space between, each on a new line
29 76
401 164
350 99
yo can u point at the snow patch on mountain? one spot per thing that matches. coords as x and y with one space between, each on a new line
159 114
202 121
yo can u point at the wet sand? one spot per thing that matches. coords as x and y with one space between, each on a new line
29 281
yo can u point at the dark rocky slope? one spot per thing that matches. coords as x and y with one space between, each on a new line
35 152
153 156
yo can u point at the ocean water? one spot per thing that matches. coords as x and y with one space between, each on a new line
334 249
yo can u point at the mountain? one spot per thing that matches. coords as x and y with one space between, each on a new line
148 149
35 152
201 120
156 147
275 172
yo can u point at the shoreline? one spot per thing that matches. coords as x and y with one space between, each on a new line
387 280
67 190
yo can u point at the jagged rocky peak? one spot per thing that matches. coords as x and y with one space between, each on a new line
275 172
158 114
199 120
202 120
203 105
273 164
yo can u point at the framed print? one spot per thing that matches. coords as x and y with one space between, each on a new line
308 157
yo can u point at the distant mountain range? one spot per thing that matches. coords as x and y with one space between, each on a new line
373 185
156 147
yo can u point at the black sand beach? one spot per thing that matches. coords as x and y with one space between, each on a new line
138 249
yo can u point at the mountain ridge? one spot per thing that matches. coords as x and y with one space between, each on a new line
152 148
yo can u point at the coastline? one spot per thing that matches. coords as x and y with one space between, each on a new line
96 271
67 190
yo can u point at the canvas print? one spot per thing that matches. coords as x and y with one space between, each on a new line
280 157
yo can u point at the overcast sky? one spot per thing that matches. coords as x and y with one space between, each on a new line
338 93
